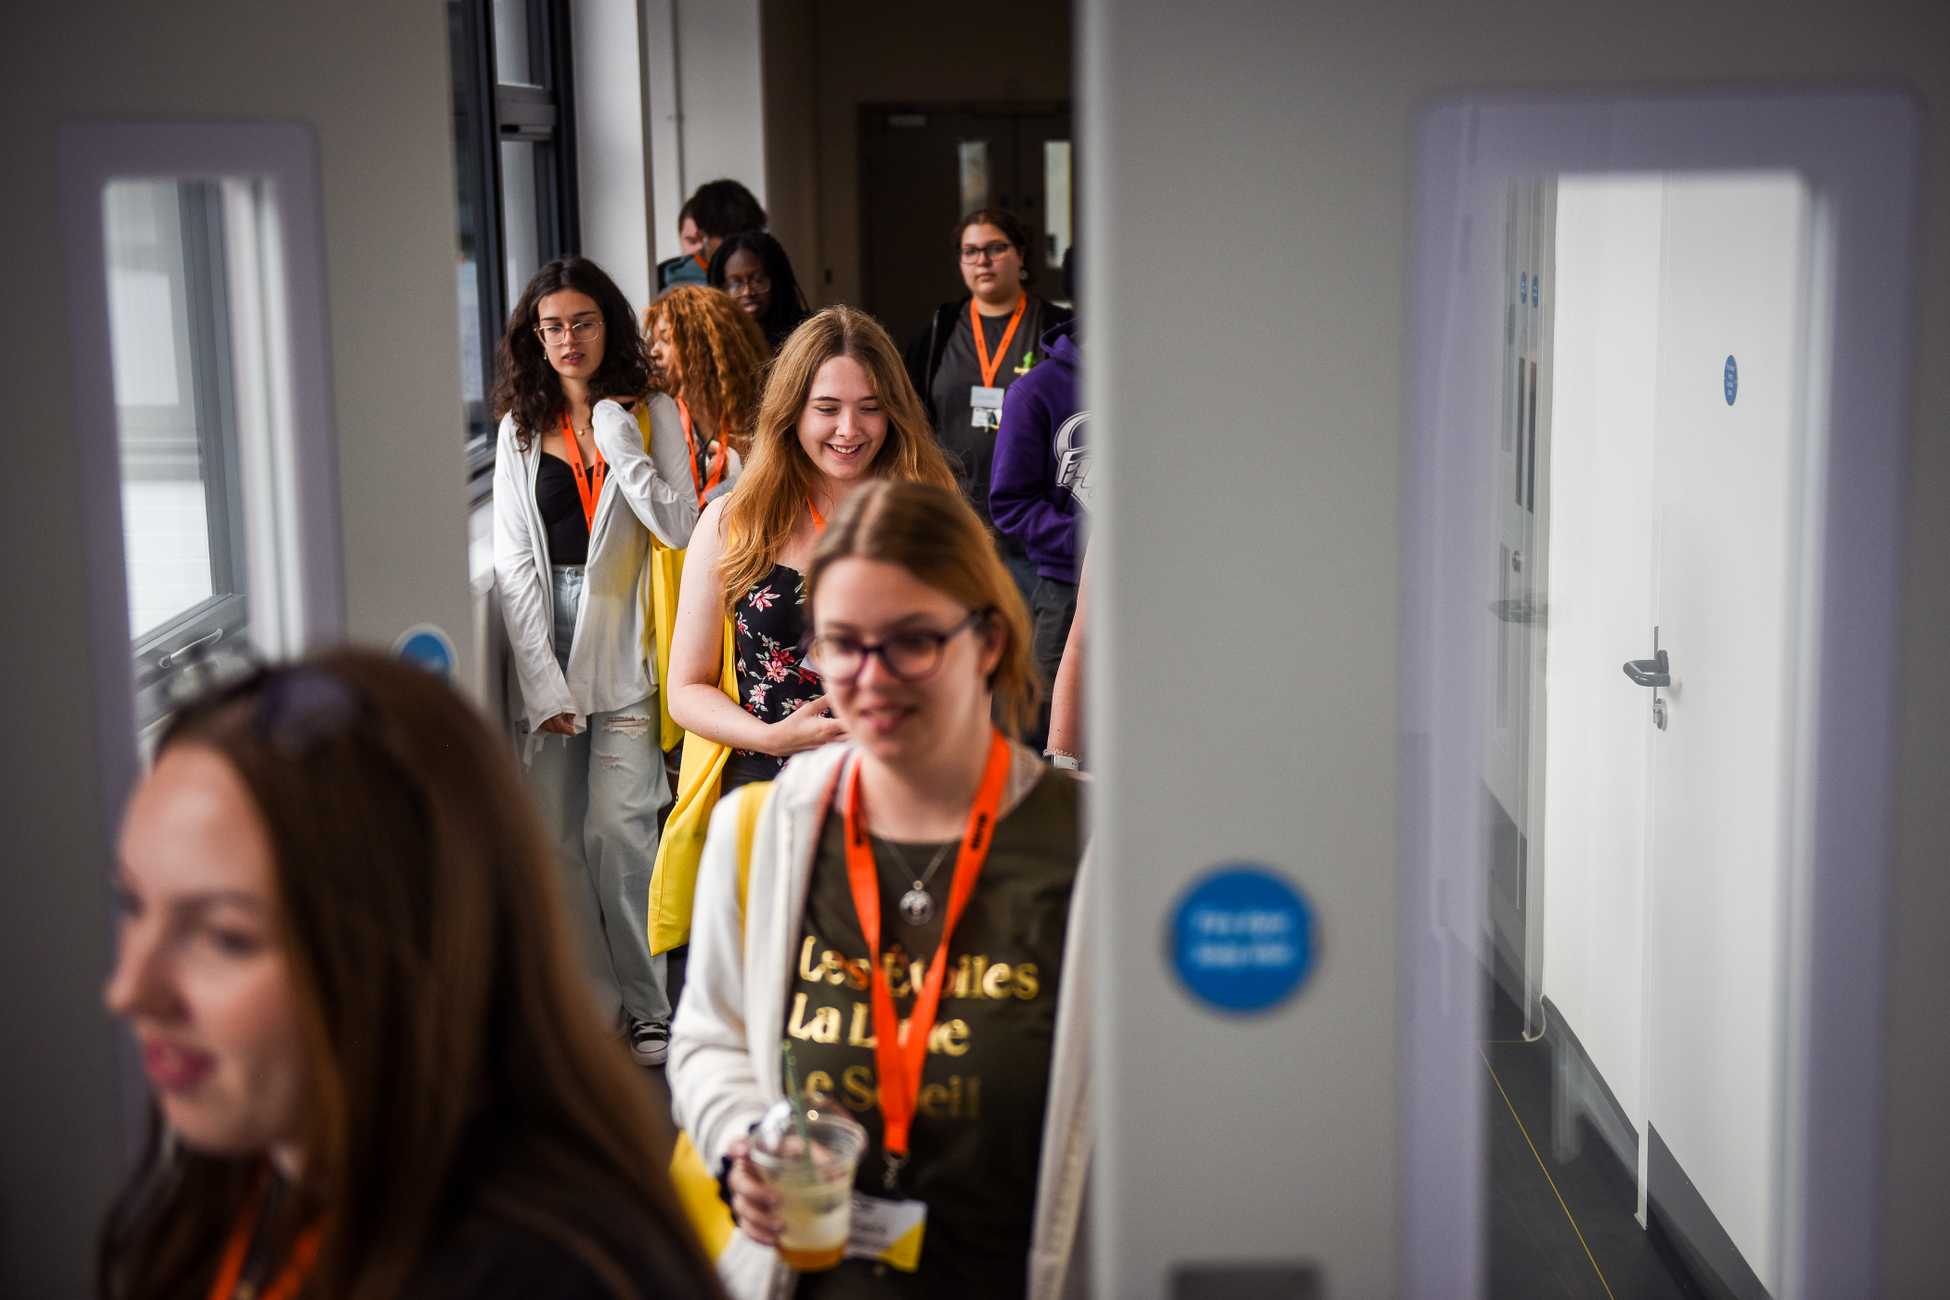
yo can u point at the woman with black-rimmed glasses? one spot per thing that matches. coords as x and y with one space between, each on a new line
343 956
577 496
973 349
904 919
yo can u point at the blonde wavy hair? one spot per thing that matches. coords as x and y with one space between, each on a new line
765 508
720 355
934 534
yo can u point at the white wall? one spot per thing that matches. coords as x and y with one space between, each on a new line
613 145
1593 852
1244 236
708 120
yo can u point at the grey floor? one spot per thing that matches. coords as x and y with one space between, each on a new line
1562 1223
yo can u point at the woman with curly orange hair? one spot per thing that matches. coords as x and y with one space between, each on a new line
706 355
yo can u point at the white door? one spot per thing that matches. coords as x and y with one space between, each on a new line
1728 450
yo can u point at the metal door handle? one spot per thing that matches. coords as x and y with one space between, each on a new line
1656 671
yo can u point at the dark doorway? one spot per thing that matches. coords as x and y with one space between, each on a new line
922 166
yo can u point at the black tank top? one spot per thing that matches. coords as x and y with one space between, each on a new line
769 628
561 506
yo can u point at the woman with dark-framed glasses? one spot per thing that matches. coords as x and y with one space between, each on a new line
376 1071
904 921
577 496
974 348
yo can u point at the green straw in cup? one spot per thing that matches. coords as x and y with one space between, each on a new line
793 1095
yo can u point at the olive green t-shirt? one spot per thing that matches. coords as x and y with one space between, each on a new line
977 1134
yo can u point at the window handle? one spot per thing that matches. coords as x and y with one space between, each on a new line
184 653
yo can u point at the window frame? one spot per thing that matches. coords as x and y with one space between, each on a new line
283 447
490 112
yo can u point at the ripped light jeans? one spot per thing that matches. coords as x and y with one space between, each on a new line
602 795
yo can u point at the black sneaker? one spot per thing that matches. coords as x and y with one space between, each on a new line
649 1043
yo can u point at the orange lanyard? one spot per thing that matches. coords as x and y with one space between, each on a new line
702 265
901 1049
701 485
819 520
989 367
304 1254
589 487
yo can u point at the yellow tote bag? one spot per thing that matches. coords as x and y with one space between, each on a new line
696 1185
673 881
659 595
660 629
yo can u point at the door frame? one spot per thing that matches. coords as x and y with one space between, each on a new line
1858 151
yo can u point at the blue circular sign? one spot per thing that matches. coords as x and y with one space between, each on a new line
1242 939
1730 381
429 647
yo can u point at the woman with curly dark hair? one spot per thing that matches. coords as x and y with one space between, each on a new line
376 1071
752 267
577 497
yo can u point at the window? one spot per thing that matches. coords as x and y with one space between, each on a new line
1059 216
514 154
170 358
195 260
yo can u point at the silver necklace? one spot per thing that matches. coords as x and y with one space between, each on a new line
917 905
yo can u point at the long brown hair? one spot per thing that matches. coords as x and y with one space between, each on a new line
457 1063
765 508
720 356
934 534
524 382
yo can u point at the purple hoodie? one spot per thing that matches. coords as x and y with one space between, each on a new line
1039 488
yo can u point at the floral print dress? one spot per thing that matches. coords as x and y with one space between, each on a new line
770 628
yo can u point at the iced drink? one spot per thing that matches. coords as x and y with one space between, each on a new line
815 1185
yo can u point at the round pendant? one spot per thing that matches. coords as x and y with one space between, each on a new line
916 907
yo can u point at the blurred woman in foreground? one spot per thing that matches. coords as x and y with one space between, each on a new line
378 1072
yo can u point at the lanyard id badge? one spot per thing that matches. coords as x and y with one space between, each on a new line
984 399
985 407
887 1231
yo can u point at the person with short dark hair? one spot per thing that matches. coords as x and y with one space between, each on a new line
376 1068
973 349
718 210
752 267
